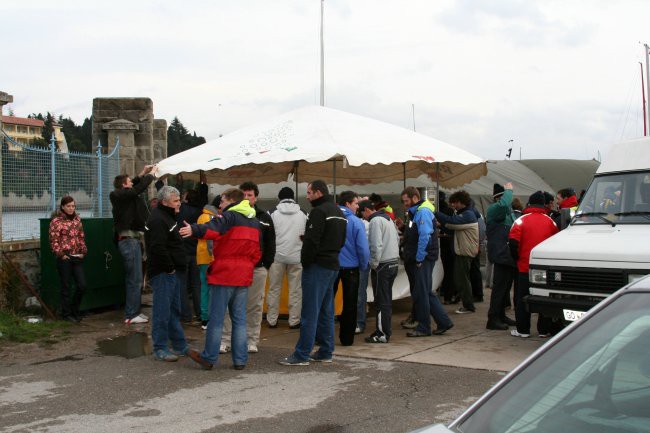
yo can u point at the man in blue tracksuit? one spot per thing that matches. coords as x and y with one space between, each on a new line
420 255
354 257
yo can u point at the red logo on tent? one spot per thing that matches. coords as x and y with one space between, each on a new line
425 158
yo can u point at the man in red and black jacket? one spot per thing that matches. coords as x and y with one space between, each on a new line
531 229
255 301
236 240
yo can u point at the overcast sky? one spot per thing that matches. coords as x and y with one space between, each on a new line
560 78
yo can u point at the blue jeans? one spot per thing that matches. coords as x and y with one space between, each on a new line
317 315
363 298
234 299
132 255
165 320
425 301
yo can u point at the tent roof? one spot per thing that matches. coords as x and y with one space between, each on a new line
310 140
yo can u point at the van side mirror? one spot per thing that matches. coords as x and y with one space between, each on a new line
565 218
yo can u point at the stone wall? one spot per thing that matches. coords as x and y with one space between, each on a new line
149 135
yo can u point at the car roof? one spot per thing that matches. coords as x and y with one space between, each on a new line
641 285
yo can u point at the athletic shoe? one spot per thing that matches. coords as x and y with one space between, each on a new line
374 338
516 333
204 324
292 360
316 357
224 349
273 325
296 326
252 348
181 352
163 355
463 310
358 330
546 335
415 333
440 331
141 318
409 323
239 366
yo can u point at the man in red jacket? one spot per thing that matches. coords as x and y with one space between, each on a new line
236 250
526 233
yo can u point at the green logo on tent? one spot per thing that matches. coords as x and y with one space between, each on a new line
289 149
214 159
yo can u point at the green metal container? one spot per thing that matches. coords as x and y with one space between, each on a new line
103 267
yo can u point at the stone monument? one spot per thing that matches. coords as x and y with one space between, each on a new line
143 139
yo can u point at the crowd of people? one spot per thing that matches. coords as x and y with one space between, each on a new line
221 254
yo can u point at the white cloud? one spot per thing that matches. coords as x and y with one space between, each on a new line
554 76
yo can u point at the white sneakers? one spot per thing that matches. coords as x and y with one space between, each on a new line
224 349
140 318
516 333
252 348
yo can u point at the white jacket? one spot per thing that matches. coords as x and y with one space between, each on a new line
289 221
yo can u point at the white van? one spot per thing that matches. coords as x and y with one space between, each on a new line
606 244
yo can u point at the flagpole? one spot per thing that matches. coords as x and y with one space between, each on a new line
322 57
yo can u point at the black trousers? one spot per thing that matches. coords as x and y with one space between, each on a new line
68 270
382 280
447 289
190 284
349 279
475 277
502 278
521 313
410 274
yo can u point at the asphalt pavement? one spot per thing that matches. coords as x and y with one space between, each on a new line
77 385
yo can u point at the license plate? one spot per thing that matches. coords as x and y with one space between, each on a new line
572 315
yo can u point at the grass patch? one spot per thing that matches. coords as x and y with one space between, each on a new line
16 329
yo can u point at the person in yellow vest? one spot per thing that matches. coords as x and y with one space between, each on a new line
204 258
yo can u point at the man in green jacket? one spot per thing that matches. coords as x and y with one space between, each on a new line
499 220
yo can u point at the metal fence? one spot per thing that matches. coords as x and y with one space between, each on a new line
35 178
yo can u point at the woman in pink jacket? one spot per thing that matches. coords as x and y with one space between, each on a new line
68 244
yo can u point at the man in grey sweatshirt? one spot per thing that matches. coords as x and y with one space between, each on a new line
289 221
384 259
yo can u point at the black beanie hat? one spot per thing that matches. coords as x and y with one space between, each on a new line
537 198
497 190
286 193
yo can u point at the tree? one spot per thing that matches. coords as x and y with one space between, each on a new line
179 138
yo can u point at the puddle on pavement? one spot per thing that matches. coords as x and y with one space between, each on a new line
127 346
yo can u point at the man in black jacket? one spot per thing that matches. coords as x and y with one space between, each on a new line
129 216
324 237
255 301
166 259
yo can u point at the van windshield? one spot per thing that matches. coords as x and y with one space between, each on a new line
616 198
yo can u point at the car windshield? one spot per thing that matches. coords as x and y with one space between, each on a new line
616 199
595 379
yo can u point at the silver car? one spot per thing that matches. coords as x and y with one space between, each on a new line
592 377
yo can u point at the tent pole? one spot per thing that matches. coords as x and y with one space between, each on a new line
437 185
334 175
404 175
295 177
